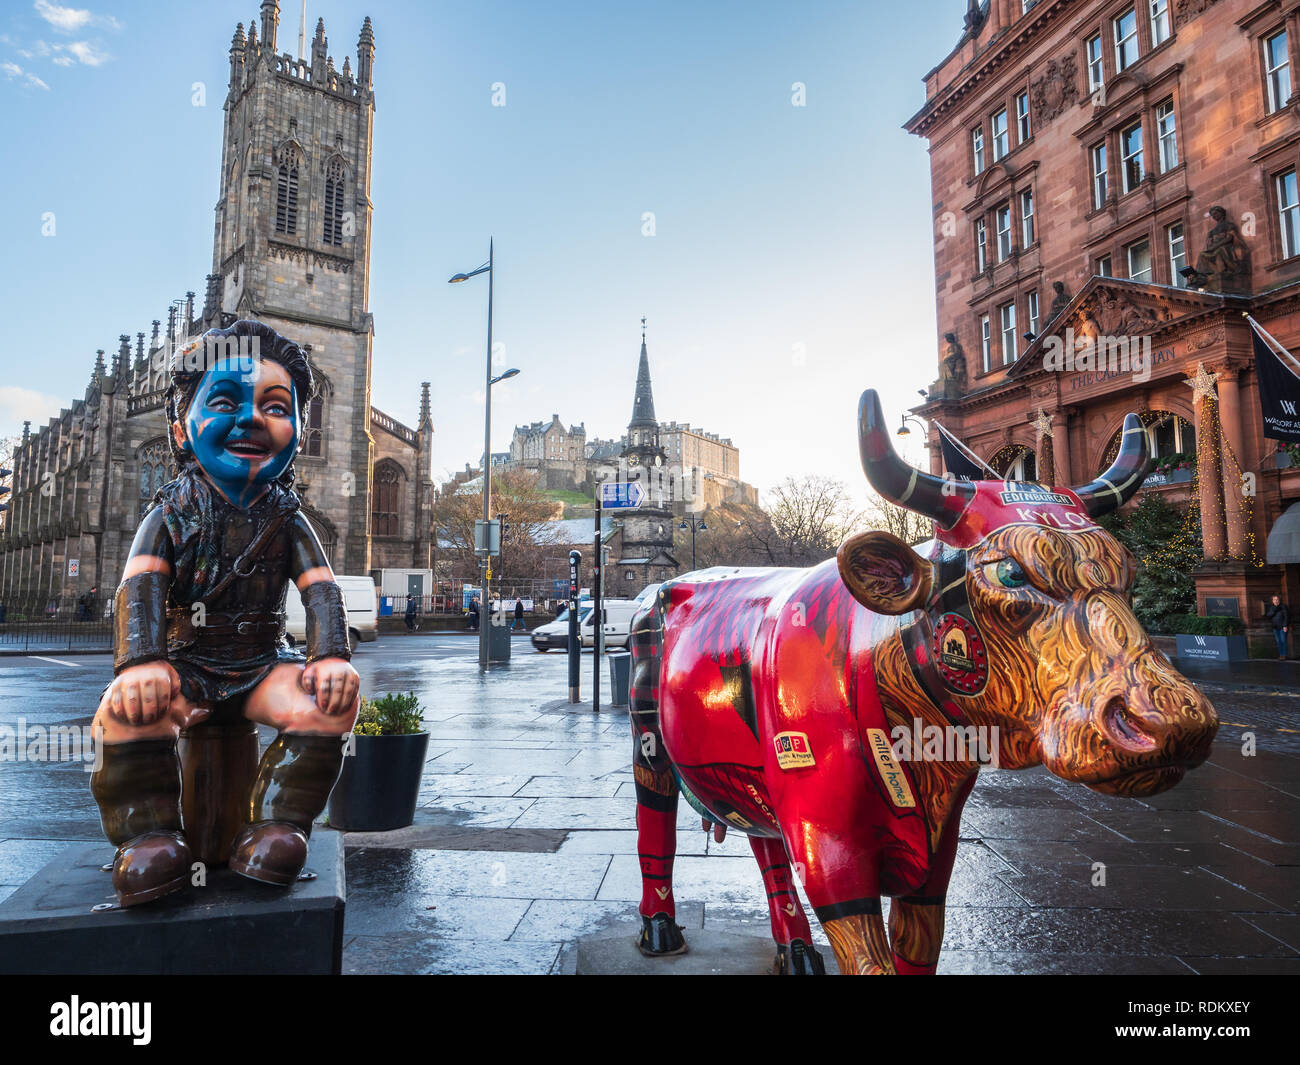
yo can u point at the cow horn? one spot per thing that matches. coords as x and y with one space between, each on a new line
940 498
1113 488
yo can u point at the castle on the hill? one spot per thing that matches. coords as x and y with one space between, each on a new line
292 249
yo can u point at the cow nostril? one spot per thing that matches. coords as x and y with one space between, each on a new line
1121 727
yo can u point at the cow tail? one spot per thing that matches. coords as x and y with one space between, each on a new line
649 759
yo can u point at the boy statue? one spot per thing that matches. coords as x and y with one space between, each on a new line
199 623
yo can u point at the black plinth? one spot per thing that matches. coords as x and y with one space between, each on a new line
233 925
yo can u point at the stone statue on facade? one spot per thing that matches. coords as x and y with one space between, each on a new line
951 383
1224 265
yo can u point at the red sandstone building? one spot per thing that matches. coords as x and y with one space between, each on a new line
1078 152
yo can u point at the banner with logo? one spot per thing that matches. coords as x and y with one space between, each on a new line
1279 389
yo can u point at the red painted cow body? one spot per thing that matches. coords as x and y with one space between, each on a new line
777 700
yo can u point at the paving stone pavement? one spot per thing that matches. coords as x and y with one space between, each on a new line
524 837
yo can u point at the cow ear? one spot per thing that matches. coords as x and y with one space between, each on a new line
883 573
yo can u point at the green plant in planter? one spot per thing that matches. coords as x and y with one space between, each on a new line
393 714
1195 625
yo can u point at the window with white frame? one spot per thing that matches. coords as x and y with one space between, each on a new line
977 148
1100 187
1126 39
1003 217
1104 267
986 358
1167 135
1027 217
1132 166
1288 213
1022 118
1096 73
981 246
1159 21
1007 313
1001 142
1277 70
1139 260
1171 435
1177 254
1031 305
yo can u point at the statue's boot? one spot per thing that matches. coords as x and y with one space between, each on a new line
798 958
292 786
660 935
138 789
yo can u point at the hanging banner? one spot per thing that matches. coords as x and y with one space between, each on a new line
955 462
1279 393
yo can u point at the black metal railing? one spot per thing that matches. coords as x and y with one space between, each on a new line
55 624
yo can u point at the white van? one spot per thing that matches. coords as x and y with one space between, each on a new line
361 600
555 634
618 621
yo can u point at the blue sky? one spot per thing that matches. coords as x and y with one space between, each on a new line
791 264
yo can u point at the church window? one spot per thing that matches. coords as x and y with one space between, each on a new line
156 469
384 513
286 191
311 436
333 233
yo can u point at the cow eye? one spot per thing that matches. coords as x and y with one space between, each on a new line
1006 572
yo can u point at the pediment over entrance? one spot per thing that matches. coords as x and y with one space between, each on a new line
1116 307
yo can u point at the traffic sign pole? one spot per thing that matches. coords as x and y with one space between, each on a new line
598 620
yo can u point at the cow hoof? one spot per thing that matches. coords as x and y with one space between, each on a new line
660 936
798 959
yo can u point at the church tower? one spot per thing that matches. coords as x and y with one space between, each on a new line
647 531
292 249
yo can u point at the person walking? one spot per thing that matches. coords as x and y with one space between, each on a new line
1281 619
519 615
411 607
473 614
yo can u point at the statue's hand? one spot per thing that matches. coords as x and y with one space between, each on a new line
335 685
142 695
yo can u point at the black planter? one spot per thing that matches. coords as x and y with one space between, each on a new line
380 783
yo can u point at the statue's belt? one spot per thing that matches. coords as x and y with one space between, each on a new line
248 627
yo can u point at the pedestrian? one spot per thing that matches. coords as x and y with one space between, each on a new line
519 614
1281 619
473 614
410 613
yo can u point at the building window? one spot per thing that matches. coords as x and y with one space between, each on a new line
1023 468
1100 188
977 148
1027 217
1167 134
156 469
1139 261
1096 75
1171 435
311 433
1001 143
1131 164
1159 21
385 511
1003 216
1126 40
1277 71
1288 212
333 231
1104 268
986 353
1031 304
1022 118
1177 254
1007 313
286 191
981 246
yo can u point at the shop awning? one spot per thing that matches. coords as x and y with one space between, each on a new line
1284 537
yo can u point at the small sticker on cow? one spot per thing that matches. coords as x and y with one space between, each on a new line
793 750
960 653
896 786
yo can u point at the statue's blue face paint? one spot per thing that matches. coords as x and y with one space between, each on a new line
242 426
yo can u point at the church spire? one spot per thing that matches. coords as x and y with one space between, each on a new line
643 404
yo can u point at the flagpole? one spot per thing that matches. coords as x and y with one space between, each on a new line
1275 345
966 451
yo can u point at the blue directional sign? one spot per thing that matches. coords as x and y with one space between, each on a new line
621 495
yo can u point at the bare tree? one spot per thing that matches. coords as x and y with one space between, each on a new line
528 532
8 445
907 525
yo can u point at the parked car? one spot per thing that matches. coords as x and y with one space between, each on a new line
618 621
361 600
555 634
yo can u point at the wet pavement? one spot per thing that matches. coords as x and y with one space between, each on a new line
524 838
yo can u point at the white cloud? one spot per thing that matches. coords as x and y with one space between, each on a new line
62 61
72 19
25 404
85 52
12 70
36 82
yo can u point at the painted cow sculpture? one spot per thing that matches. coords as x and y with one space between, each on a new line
777 700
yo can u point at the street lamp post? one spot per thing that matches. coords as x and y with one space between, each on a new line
693 524
485 560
